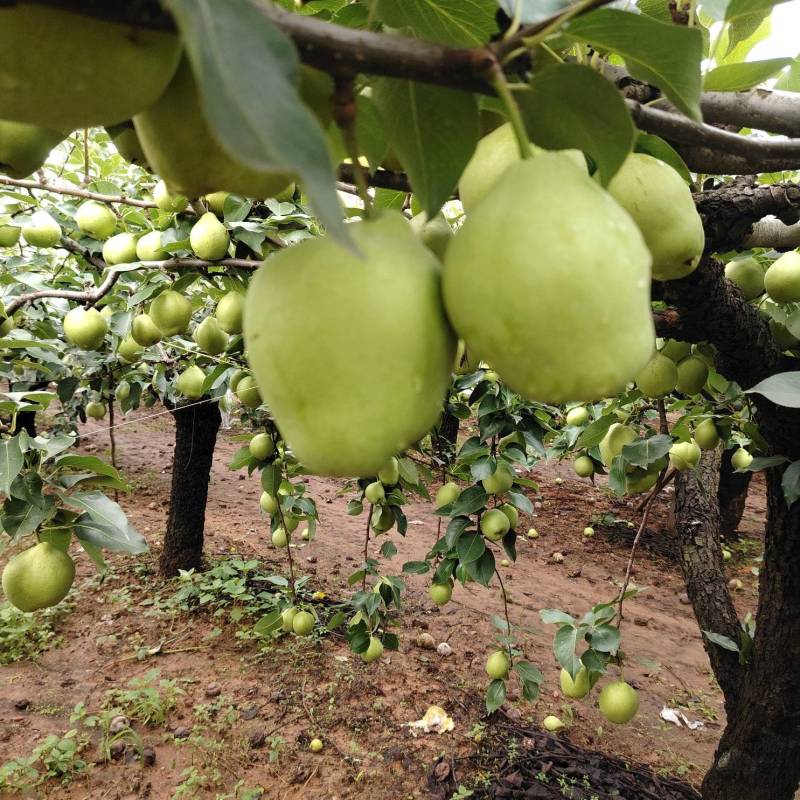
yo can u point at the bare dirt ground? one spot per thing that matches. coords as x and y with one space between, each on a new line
266 703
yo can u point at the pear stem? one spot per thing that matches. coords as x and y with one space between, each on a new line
498 80
345 111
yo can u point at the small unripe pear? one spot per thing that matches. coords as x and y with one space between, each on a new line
144 331
190 382
209 238
96 219
166 201
120 249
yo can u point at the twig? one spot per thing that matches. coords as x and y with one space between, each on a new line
75 192
111 426
345 112
505 612
366 549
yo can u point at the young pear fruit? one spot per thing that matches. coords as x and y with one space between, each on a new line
261 446
495 153
374 651
85 327
448 493
741 459
676 350
441 593
96 219
316 745
129 350
583 466
658 378
573 251
346 384
641 480
578 688
149 248
434 234
287 618
706 435
303 623
280 538
190 382
389 473
747 274
210 337
95 410
9 235
120 249
578 416
122 391
236 376
617 436
619 702
144 331
124 138
500 481
511 512
783 337
38 577
782 279
661 204
552 724
247 392
268 503
209 238
692 375
230 309
182 149
167 201
494 525
216 202
68 70
382 519
497 665
42 230
24 148
684 455
375 493
171 312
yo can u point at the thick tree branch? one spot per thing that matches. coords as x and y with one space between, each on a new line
74 191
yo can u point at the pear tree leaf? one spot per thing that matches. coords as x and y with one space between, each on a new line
658 148
247 70
11 461
594 432
725 642
482 569
740 77
572 106
790 482
566 639
495 695
531 11
665 55
644 452
744 8
783 389
467 23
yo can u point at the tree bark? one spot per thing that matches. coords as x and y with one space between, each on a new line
196 429
732 495
697 520
447 436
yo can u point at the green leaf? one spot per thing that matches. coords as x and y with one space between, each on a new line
790 482
605 639
782 389
740 77
483 568
11 460
105 523
19 517
572 106
765 462
248 69
743 8
564 645
644 452
269 623
388 549
271 479
92 463
469 501
96 554
241 458
532 10
790 80
470 547
593 434
456 527
495 695
528 672
554 616
416 567
655 146
457 22
665 55
724 642
432 130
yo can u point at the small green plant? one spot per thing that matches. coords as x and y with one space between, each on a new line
462 793
103 722
56 757
24 637
194 780
144 701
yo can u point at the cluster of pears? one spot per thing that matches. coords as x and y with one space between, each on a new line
618 700
38 577
676 366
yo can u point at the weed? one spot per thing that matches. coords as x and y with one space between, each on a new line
56 757
24 637
143 701
194 780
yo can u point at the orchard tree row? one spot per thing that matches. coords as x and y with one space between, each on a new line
358 224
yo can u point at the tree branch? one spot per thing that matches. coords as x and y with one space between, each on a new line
76 192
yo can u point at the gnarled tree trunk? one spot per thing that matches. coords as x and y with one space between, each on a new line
196 429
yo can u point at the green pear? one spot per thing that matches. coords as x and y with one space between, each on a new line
247 392
448 493
583 466
658 378
24 148
747 274
144 331
96 219
641 480
209 238
389 473
261 446
85 327
619 702
500 481
95 410
741 459
661 204
230 310
124 138
382 519
190 382
149 247
578 688
171 312
9 235
129 350
692 375
42 230
182 149
706 435
685 455
578 416
434 234
40 576
216 202
374 651
782 279
122 392
495 153
68 70
466 361
120 249
287 194
528 271
675 350
210 337
617 436
166 201
347 385
236 376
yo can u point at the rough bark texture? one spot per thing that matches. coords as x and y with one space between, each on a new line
697 521
195 436
732 495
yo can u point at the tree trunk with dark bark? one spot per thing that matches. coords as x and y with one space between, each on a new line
447 436
195 436
732 494
697 521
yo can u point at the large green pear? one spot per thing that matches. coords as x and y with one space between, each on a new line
435 234
129 350
210 337
9 235
96 219
747 274
85 327
127 143
248 393
209 238
229 312
181 148
120 249
66 70
42 230
659 376
39 577
352 352
216 202
617 436
149 247
661 204
24 147
675 349
548 279
782 279
171 312
144 331
495 153
692 375
190 382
